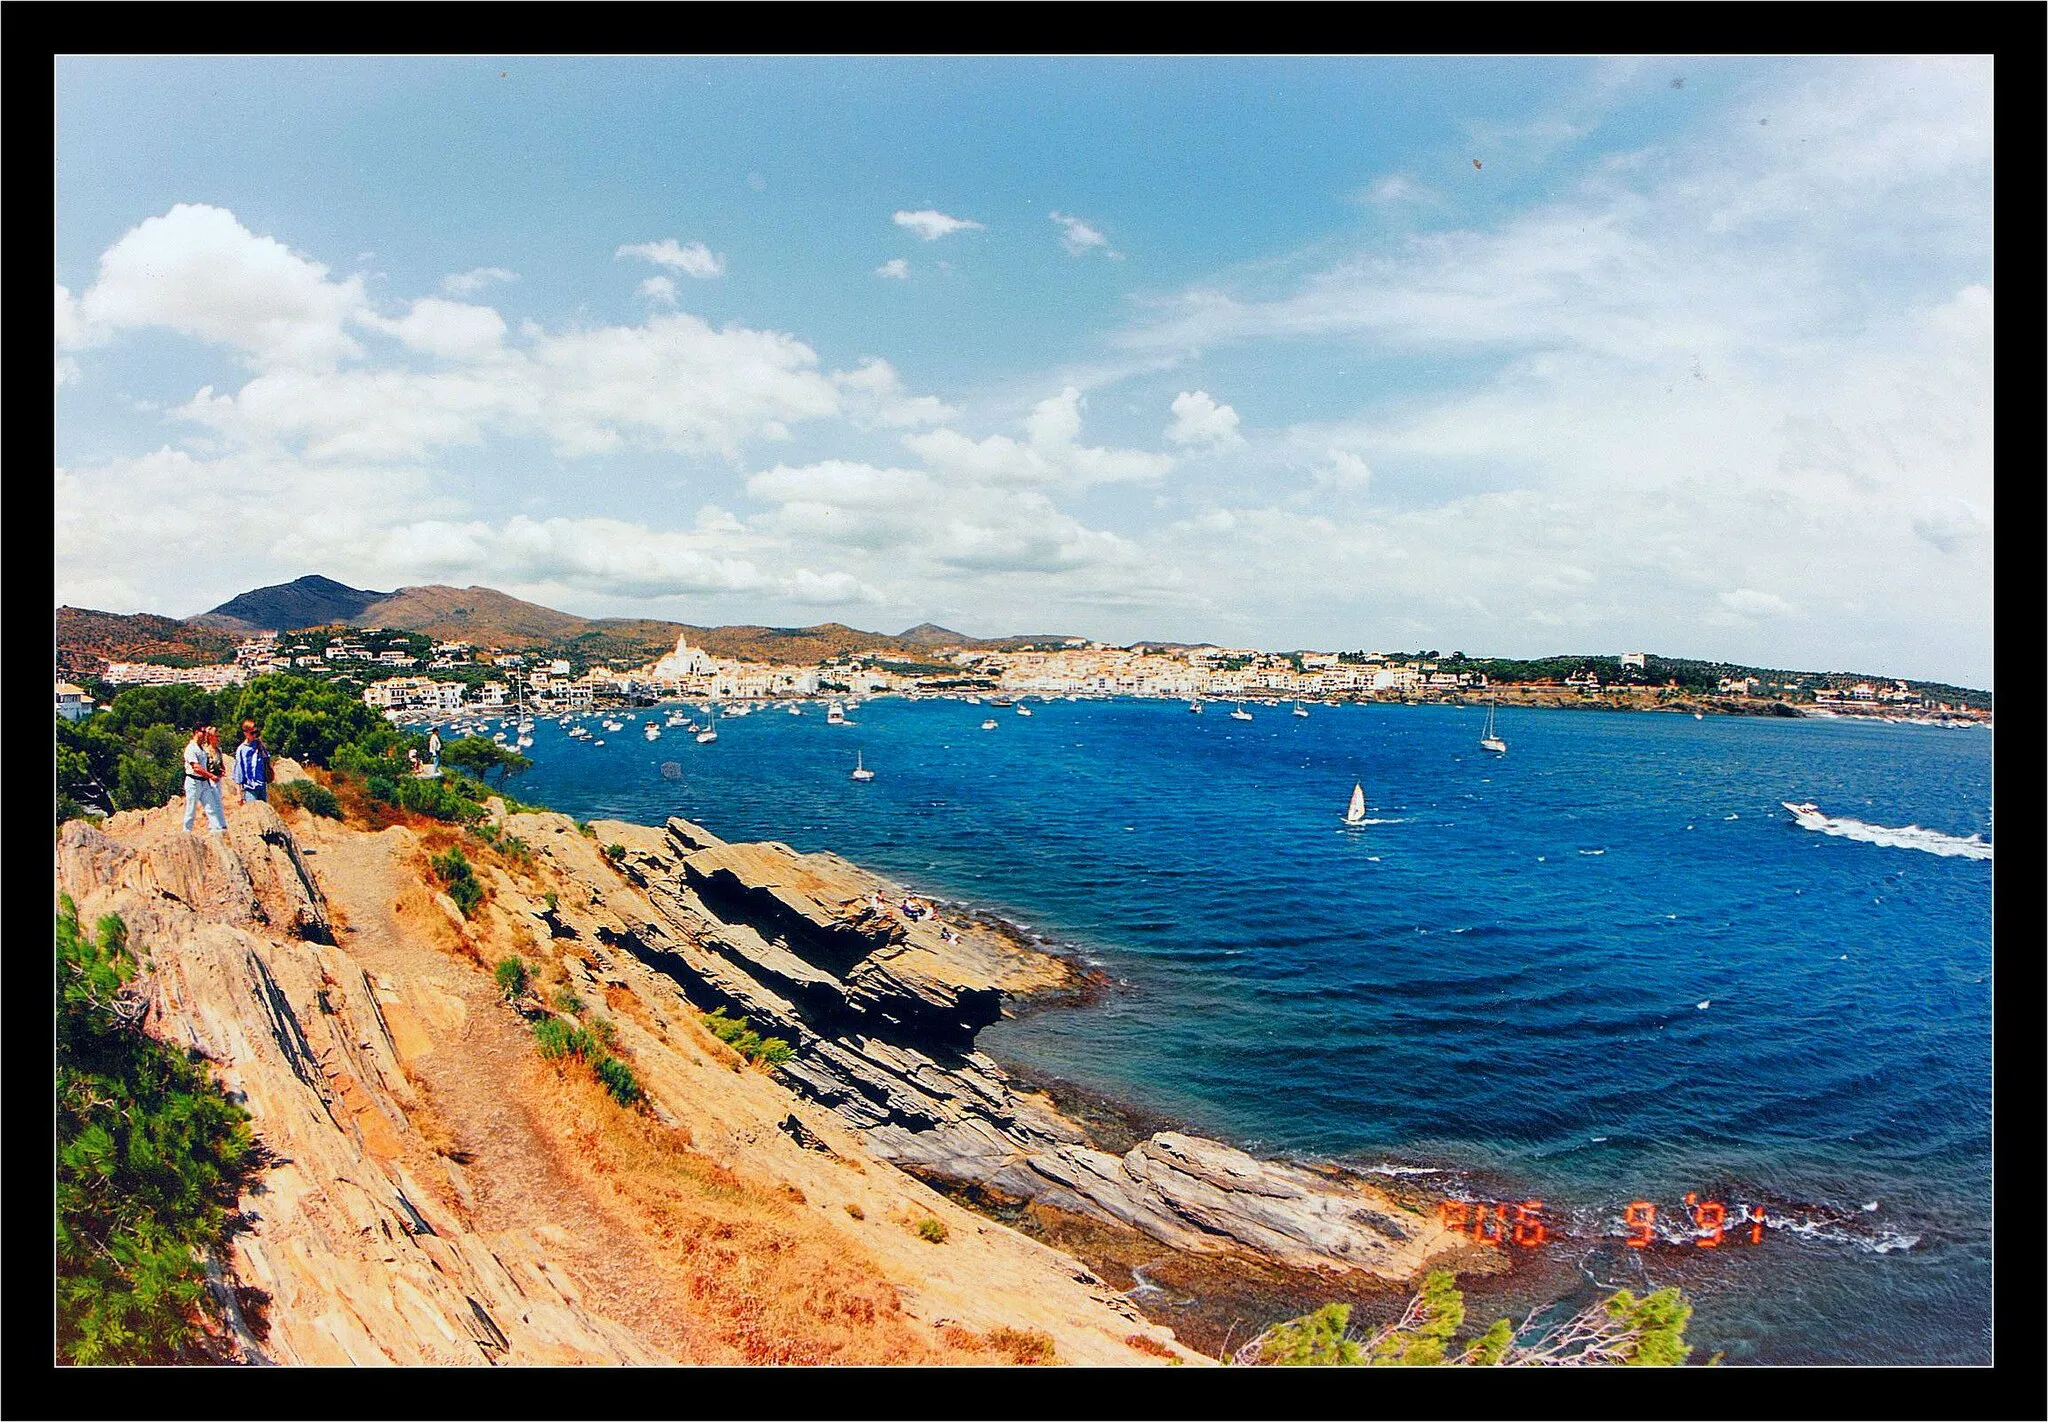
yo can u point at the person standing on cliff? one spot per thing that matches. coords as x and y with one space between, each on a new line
434 748
202 783
252 765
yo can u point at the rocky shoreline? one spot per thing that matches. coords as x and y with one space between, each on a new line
882 1013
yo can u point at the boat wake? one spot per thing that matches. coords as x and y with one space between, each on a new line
1928 841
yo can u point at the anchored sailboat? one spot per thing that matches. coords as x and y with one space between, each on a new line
1355 813
1490 741
860 770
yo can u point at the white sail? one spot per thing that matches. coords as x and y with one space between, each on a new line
1355 815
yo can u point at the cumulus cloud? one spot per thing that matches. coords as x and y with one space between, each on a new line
696 260
453 330
1050 457
931 224
1079 237
875 393
1199 420
199 271
659 288
469 283
896 268
1342 469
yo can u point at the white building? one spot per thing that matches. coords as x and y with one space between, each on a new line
72 702
419 692
147 674
1634 659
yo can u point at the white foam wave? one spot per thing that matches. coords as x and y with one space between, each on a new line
1403 1170
1928 841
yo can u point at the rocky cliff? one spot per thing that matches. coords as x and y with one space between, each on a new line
437 1192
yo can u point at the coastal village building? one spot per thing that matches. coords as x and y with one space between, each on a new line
414 692
72 702
149 674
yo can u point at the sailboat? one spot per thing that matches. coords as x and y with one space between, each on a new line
1354 814
860 770
1240 714
1196 707
710 732
1490 741
1299 709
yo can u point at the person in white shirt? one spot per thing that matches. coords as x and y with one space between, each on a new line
202 783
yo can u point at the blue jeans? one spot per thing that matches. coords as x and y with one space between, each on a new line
201 792
254 792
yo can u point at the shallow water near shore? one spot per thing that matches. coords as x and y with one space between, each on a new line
1606 967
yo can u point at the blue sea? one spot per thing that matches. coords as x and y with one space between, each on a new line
1607 967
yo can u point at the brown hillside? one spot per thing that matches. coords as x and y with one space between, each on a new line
87 640
473 614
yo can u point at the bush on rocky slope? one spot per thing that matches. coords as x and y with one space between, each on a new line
151 1157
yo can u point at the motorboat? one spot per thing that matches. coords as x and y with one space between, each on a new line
989 724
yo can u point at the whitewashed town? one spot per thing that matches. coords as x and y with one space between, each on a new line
454 677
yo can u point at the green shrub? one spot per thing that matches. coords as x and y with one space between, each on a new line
932 1230
583 828
619 1080
551 1035
567 1000
734 1032
311 796
453 870
615 852
550 899
513 977
1318 1340
436 799
151 1158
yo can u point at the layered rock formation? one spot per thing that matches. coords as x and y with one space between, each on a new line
434 1192
882 1011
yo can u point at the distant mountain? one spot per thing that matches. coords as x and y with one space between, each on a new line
930 634
484 616
311 601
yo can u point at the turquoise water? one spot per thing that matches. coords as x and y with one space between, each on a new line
1498 980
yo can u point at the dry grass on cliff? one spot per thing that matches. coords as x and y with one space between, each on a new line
766 1281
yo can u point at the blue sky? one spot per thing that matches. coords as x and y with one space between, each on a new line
1695 358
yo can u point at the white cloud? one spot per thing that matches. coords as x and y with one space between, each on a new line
659 288
1198 419
1342 469
453 330
469 283
199 271
895 267
875 394
1050 458
931 224
1079 237
695 260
